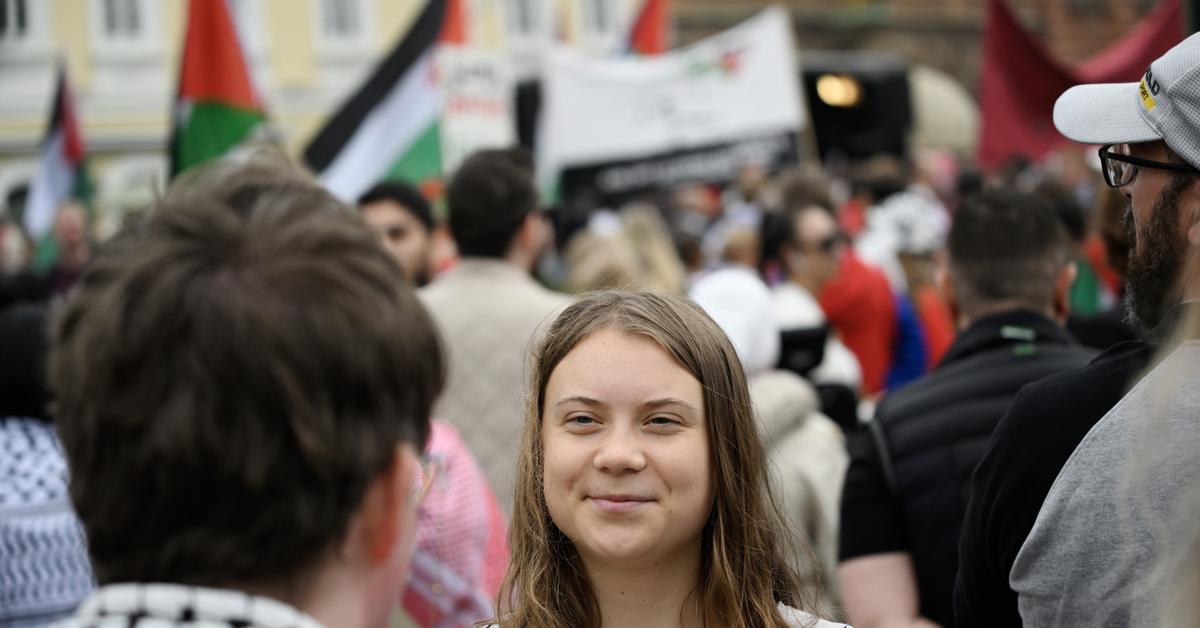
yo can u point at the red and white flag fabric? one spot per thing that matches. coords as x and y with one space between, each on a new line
60 174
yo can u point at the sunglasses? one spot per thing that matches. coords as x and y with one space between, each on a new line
1120 168
827 245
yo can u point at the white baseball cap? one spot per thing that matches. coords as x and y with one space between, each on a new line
1164 105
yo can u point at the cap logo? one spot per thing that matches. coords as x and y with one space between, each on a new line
1147 87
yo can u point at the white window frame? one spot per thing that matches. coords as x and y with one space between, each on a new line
35 38
147 43
603 38
542 23
332 43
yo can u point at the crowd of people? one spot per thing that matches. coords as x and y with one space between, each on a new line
900 394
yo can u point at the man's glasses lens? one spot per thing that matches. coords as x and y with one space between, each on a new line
1117 173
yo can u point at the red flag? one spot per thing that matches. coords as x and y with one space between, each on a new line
651 28
213 67
454 25
1021 80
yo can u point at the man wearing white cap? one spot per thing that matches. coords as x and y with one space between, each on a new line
1054 535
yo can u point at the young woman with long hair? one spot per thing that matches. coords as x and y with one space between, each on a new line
642 495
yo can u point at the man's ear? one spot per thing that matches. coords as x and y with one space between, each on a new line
1193 230
1062 291
386 507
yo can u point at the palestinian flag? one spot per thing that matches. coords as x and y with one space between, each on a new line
389 128
61 174
650 29
217 107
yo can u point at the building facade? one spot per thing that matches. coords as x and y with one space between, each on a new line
305 56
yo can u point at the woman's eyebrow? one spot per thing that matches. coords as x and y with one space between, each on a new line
587 401
669 401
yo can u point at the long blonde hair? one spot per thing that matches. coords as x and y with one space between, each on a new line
743 573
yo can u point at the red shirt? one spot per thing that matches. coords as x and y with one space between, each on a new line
859 304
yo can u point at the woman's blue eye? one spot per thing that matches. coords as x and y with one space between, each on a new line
662 421
581 420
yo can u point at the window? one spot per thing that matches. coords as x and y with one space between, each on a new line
125 24
14 19
599 17
526 17
341 19
122 19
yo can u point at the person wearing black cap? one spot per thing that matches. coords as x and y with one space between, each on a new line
1044 541
404 222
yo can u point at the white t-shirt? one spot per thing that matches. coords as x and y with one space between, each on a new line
795 618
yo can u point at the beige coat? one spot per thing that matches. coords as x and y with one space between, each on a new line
487 312
806 454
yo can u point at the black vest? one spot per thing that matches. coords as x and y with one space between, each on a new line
933 432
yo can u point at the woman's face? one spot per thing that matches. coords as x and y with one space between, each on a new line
627 470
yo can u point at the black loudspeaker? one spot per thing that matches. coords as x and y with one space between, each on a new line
859 102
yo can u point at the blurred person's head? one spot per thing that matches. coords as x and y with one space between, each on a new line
1150 137
752 177
70 224
493 208
662 268
1007 251
879 177
22 371
698 199
14 251
741 247
1070 213
806 186
641 394
811 245
403 221
243 383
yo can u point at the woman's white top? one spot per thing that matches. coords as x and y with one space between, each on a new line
795 618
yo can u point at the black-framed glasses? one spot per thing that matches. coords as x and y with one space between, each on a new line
1120 168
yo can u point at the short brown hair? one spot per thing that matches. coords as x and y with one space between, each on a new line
1005 247
743 573
487 201
230 376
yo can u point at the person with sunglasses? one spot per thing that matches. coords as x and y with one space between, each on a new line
1041 540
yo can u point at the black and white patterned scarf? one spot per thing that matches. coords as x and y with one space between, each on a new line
44 568
163 605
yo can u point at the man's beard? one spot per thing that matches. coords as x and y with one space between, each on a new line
1156 258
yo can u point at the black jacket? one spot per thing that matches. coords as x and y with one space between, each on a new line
1033 441
910 473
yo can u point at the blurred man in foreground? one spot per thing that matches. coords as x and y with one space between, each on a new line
243 386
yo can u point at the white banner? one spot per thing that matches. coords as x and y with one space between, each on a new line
740 83
477 110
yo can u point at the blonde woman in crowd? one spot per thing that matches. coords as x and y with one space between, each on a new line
642 497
